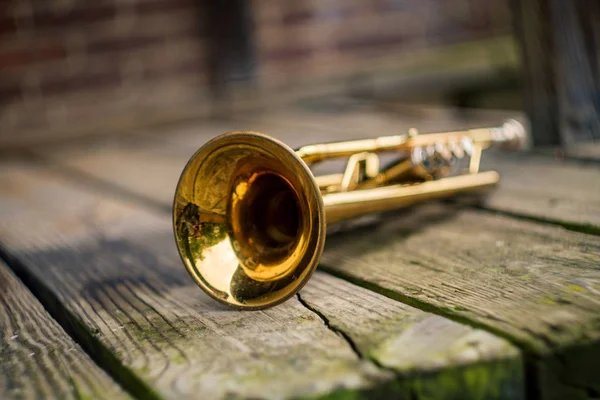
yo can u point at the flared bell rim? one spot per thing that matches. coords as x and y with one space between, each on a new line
285 154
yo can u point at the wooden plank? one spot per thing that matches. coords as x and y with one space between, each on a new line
127 161
440 355
37 358
538 285
141 164
584 152
112 268
546 188
539 187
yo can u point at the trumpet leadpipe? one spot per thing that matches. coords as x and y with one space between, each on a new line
510 135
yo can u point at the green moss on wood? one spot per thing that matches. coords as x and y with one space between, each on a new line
447 312
497 380
547 300
494 380
575 288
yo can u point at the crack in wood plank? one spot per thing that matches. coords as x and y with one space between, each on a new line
334 329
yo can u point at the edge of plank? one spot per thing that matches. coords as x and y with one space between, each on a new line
103 358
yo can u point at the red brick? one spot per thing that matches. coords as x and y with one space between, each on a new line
124 43
153 6
372 42
8 25
81 82
304 16
195 66
298 17
24 57
287 54
10 91
77 16
385 7
137 41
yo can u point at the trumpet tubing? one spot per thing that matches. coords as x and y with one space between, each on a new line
249 217
343 206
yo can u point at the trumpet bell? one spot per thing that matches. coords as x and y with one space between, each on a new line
249 220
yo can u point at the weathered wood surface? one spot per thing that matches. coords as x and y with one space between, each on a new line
546 188
541 187
147 165
126 161
37 358
111 269
438 358
585 152
534 284
538 285
144 166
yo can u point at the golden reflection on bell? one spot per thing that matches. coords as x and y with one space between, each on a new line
249 220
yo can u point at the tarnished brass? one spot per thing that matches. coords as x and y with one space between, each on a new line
249 216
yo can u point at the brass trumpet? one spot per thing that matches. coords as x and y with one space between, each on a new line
249 217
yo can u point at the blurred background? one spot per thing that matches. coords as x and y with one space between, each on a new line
74 67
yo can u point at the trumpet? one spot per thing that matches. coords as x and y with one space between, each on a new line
250 218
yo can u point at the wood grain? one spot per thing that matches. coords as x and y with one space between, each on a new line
532 185
125 162
536 186
585 151
536 284
542 187
546 188
113 270
465 274
148 166
37 358
440 356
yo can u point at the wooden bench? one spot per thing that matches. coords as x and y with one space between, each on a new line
500 300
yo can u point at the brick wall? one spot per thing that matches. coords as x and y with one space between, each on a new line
73 62
80 65
308 39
